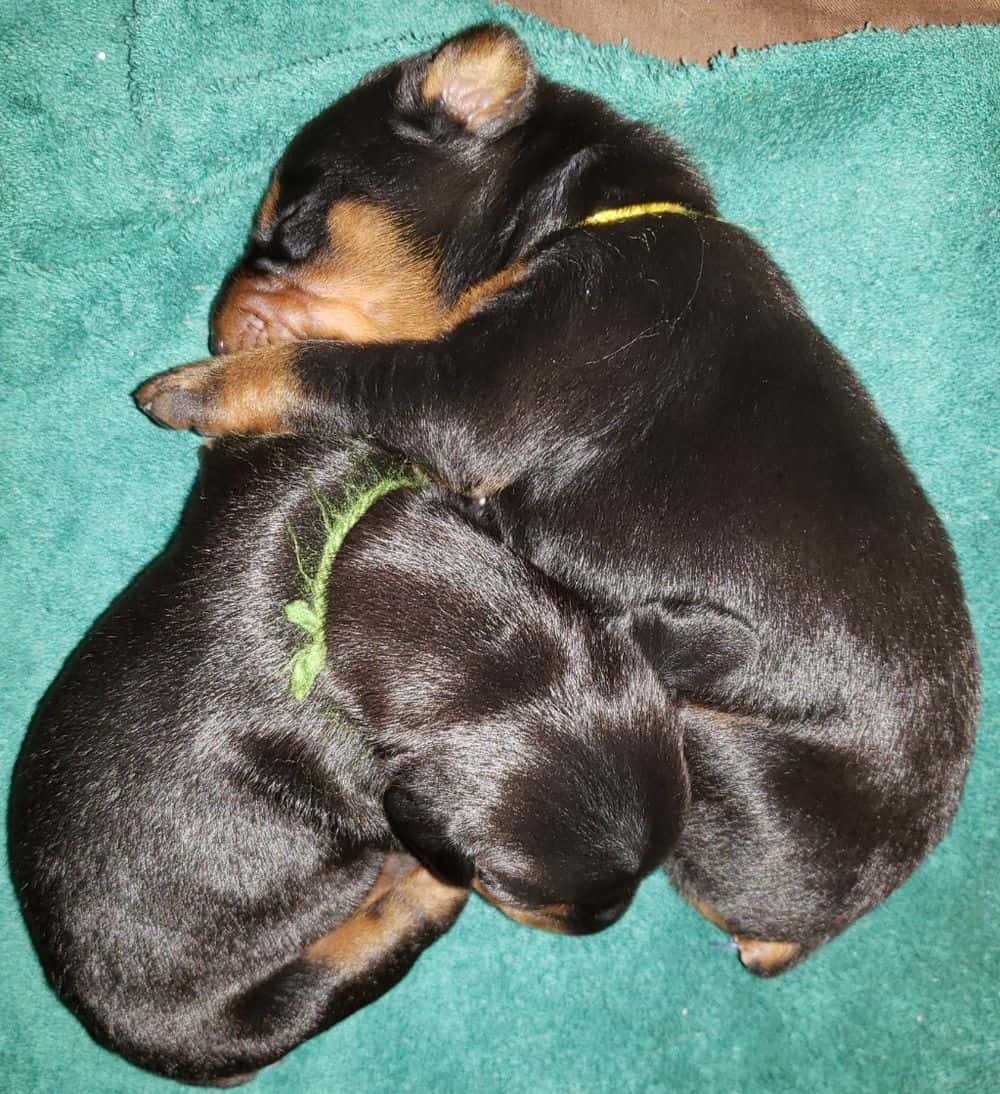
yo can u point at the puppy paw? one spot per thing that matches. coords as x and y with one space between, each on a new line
246 393
183 398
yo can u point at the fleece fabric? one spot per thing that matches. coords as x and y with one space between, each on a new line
136 137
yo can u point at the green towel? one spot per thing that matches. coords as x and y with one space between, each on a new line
136 138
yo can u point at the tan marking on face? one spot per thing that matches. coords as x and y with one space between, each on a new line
487 488
369 282
766 958
269 206
542 918
382 922
387 278
476 78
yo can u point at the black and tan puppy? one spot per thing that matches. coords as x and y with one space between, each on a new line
649 418
205 862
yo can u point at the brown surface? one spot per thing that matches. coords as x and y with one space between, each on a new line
694 30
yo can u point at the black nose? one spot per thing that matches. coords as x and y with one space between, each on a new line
216 345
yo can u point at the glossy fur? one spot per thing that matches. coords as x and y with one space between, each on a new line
198 854
655 423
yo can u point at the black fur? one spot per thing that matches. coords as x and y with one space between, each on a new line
182 830
663 431
657 427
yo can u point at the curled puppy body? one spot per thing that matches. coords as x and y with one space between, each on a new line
205 863
658 426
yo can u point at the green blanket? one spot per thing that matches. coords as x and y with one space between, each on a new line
135 139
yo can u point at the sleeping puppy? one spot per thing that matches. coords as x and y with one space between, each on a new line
206 864
640 408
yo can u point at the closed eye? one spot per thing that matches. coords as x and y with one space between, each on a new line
291 237
263 234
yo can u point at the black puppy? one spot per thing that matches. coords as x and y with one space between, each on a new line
647 416
205 862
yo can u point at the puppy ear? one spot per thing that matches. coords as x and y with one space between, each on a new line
690 645
483 79
418 831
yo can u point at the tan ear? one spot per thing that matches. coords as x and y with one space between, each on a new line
483 79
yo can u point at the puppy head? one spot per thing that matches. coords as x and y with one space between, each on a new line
388 205
557 809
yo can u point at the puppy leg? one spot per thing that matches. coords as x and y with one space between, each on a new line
244 393
469 416
338 385
406 910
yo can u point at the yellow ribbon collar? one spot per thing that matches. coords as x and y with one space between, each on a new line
629 212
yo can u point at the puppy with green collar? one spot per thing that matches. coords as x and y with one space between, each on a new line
656 425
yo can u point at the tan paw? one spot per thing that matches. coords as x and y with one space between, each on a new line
252 392
183 398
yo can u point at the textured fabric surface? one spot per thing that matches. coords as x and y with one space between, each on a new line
680 30
135 139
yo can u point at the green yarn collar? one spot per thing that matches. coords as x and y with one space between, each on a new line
309 612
